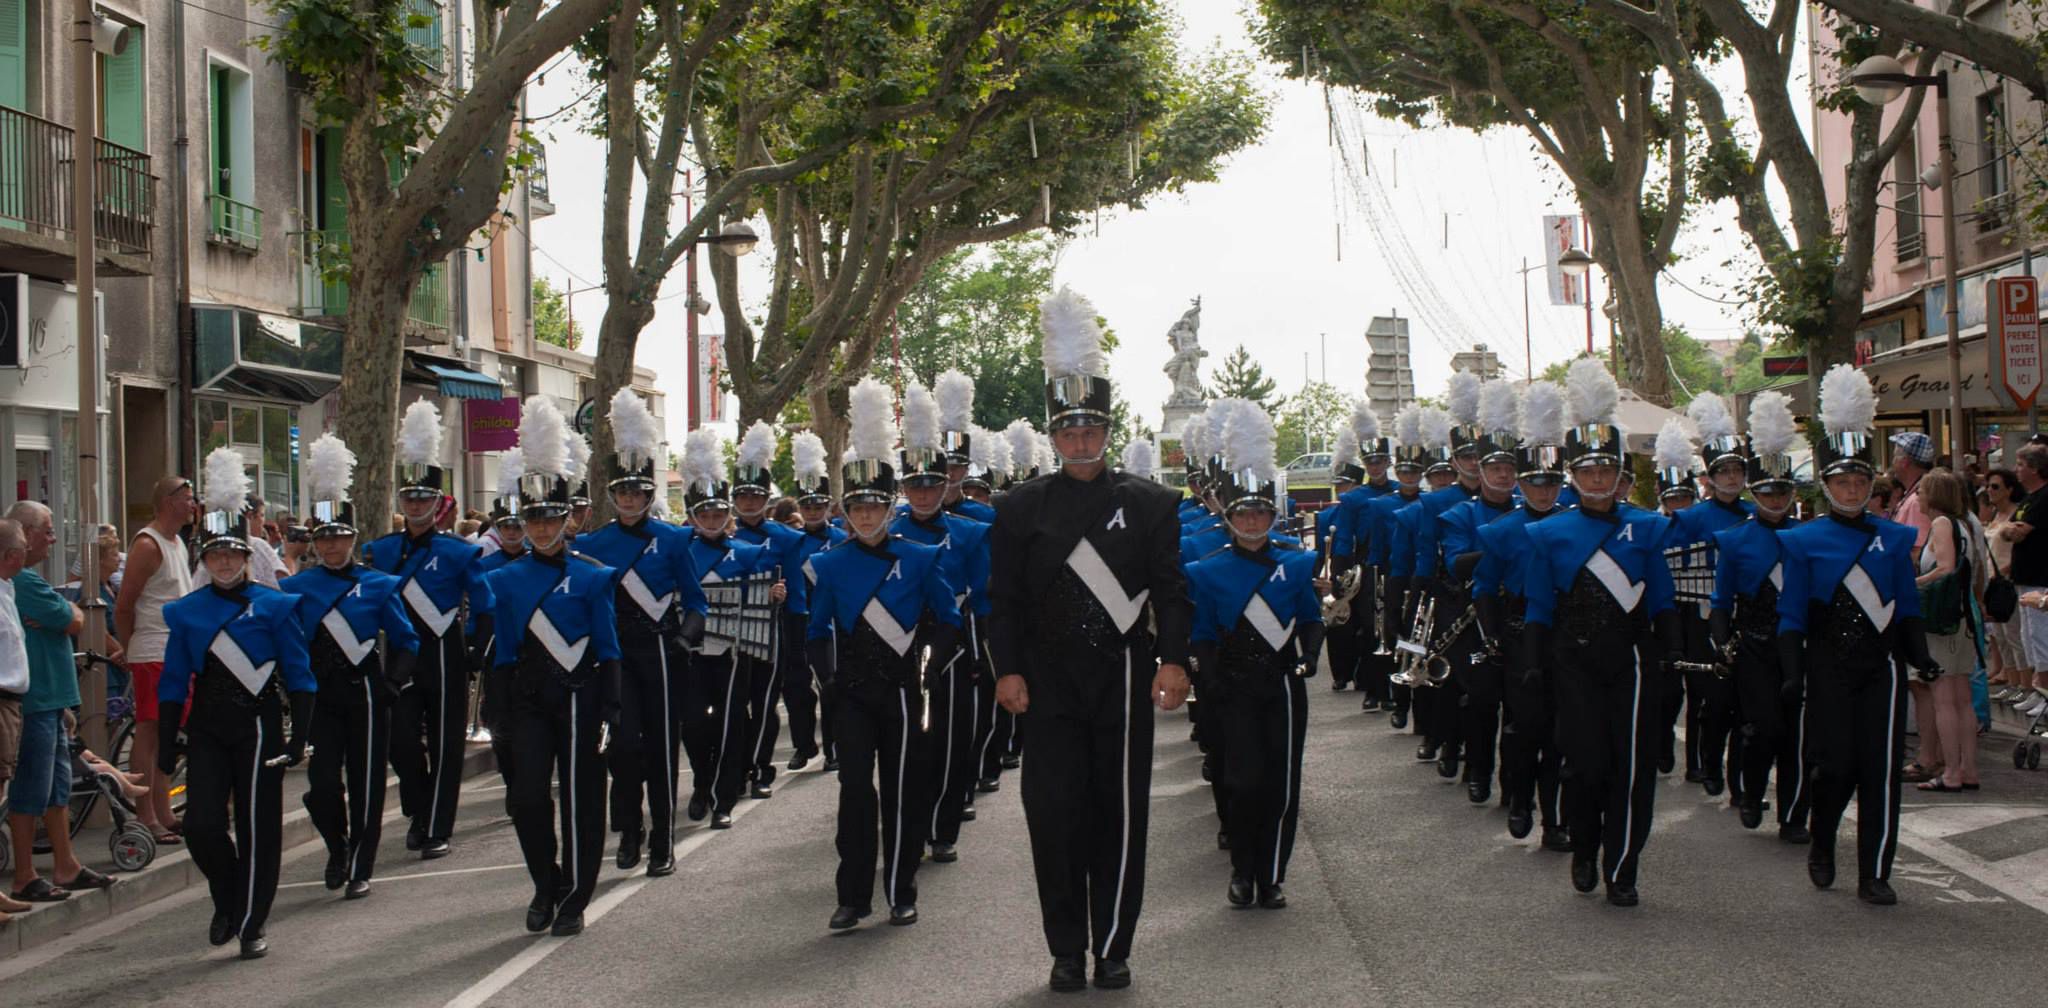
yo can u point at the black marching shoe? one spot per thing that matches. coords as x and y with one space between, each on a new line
759 789
1556 838
566 926
1479 791
540 912
222 930
434 850
831 764
337 868
1666 762
661 858
698 808
967 813
1447 763
1272 897
254 947
357 889
1222 839
1876 892
799 761
988 785
1521 820
1694 776
1425 753
1793 833
904 915
1622 894
1240 891
1399 719
415 836
1752 813
1337 685
721 820
1112 974
1012 761
1369 704
1208 769
1585 872
629 848
1714 786
944 853
845 917
1069 973
1820 864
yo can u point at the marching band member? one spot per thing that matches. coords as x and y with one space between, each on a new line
714 725
505 520
752 487
437 571
557 656
1410 524
1848 626
963 562
1596 581
660 611
1209 735
1345 475
234 647
1258 628
1477 675
1748 582
954 392
1077 558
987 456
1350 539
1381 529
343 606
877 598
1530 758
800 693
1709 699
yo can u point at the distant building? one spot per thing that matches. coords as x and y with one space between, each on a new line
1389 378
1478 360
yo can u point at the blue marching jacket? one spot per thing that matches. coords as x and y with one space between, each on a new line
351 606
968 507
1504 553
1401 544
650 561
1457 528
1429 554
1272 589
891 586
252 630
562 604
1379 525
1750 554
1195 546
779 539
963 554
435 573
1831 553
1624 552
812 543
1350 527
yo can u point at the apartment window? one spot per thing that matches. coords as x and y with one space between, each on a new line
423 30
14 40
1908 241
1994 172
231 143
120 92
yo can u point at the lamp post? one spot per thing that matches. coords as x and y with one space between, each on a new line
1880 80
1528 359
1574 262
735 239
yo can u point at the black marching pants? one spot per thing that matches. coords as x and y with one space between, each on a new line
227 744
951 760
1855 718
1479 711
1709 702
350 743
800 690
1087 785
880 737
1211 689
429 724
713 725
554 737
1773 733
653 680
1369 671
1606 691
1264 717
764 723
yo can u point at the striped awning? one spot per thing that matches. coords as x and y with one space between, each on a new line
462 383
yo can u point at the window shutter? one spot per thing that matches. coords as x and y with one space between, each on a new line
123 111
14 54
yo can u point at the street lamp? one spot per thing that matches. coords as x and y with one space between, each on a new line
735 239
1880 80
1574 262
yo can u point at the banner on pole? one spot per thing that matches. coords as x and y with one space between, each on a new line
1560 232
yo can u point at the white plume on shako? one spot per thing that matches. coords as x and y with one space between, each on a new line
872 423
1592 391
703 461
1772 430
1191 434
1541 415
1345 451
544 436
1041 454
329 466
1022 439
419 434
757 447
998 448
226 481
1073 337
1497 403
635 432
807 457
511 466
920 418
1140 459
1463 399
981 448
1248 442
1436 428
1848 405
1674 447
1218 417
1364 426
579 455
955 393
1710 414
1408 426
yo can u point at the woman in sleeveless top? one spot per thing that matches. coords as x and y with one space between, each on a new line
1955 546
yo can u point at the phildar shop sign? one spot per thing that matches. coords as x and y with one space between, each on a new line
490 425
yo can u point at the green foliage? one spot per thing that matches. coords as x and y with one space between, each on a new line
355 58
1793 293
1241 377
1310 419
977 310
551 321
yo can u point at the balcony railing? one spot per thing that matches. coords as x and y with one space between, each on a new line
235 222
1994 212
323 293
36 157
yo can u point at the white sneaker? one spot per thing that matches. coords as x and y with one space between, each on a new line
2034 707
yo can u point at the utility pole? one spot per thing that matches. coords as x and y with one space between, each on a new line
84 164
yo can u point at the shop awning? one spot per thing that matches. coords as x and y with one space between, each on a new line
265 356
462 383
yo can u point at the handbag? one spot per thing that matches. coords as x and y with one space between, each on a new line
1942 605
2001 596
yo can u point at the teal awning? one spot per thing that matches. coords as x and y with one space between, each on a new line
462 383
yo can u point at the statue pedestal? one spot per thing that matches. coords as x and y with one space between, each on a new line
1177 415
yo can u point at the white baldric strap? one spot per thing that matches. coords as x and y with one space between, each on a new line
1865 593
353 649
713 645
251 675
1094 572
568 656
886 627
656 607
1260 616
1777 577
1615 580
424 608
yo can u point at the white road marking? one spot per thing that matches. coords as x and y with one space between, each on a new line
411 875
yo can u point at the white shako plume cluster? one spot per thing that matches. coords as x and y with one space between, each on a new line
1463 398
807 462
1540 419
1249 465
419 434
329 466
1140 458
1022 439
1592 391
1497 403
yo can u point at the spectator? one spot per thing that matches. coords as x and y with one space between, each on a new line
1881 493
264 563
13 672
2004 659
2029 572
298 541
1955 547
466 528
109 592
1912 460
41 788
159 571
786 513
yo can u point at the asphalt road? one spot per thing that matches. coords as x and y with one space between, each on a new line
1401 892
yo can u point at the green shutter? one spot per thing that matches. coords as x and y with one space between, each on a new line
123 111
333 195
217 114
14 54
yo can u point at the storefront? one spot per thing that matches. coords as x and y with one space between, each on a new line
39 407
263 380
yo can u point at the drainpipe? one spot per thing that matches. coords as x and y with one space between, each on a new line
181 226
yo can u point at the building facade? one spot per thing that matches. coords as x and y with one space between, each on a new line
1389 375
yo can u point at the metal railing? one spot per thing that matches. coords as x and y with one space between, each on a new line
323 292
236 222
35 184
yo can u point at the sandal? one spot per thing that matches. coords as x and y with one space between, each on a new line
41 891
8 905
1938 784
1915 773
85 880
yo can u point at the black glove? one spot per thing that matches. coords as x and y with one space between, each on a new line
690 629
944 641
398 667
301 705
1792 663
1719 629
1486 611
170 737
1912 649
611 691
821 654
1462 567
1311 641
480 644
1670 637
1535 649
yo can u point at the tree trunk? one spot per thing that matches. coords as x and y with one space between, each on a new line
1623 251
372 355
828 421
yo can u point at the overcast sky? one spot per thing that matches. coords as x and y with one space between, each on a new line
1289 252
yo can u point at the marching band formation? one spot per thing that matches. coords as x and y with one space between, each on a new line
966 594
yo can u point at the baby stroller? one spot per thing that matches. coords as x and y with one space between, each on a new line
2027 754
131 844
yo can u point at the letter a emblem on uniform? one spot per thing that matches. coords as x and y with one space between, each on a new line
1627 534
433 563
1279 574
356 592
563 587
1876 544
1116 521
895 571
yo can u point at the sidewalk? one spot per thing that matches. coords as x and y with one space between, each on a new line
172 871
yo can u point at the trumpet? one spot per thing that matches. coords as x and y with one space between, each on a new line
1337 605
1436 666
1723 665
1411 662
1379 614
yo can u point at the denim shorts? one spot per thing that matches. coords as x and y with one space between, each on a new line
42 774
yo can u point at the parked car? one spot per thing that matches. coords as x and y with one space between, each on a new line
1312 469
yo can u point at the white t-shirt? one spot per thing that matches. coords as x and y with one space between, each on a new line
13 643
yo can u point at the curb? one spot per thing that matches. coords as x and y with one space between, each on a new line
174 873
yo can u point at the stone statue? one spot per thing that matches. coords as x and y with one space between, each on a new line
1185 367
